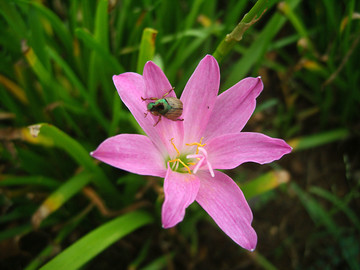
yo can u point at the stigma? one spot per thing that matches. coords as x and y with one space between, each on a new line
202 157
191 162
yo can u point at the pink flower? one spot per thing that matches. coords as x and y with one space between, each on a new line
188 153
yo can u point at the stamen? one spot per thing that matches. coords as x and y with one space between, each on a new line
176 166
180 161
199 144
177 151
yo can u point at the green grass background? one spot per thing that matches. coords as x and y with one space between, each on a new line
58 102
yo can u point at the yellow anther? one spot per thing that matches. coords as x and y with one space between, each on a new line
191 163
177 151
198 144
179 160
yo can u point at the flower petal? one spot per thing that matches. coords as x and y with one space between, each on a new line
231 150
156 81
199 97
234 107
131 87
133 153
156 86
180 191
223 200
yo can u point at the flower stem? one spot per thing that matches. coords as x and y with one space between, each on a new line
236 35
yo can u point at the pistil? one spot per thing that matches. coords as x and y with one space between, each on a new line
200 156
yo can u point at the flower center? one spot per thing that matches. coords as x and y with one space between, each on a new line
193 162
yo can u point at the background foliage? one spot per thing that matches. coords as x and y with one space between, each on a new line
58 103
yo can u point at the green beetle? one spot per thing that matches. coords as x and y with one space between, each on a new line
169 107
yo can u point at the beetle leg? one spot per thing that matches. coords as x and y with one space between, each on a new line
152 98
172 89
145 114
179 119
158 120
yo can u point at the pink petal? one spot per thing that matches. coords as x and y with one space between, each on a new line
156 86
180 191
133 153
234 107
199 97
223 200
131 87
156 81
231 150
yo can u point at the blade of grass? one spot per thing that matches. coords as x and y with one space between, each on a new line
94 45
60 196
20 212
12 16
53 248
159 263
15 231
264 183
120 24
318 139
321 217
14 89
39 69
56 23
78 153
96 241
316 212
37 39
297 24
80 87
118 114
101 34
12 180
147 48
339 204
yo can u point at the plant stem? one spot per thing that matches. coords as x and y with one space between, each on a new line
236 35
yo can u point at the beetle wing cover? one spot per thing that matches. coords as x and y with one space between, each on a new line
176 108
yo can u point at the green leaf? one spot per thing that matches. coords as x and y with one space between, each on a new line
318 139
96 46
12 180
15 231
147 48
264 183
339 204
61 196
52 135
79 86
98 240
56 23
52 248
14 19
101 33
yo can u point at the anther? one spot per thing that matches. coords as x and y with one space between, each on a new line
199 144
